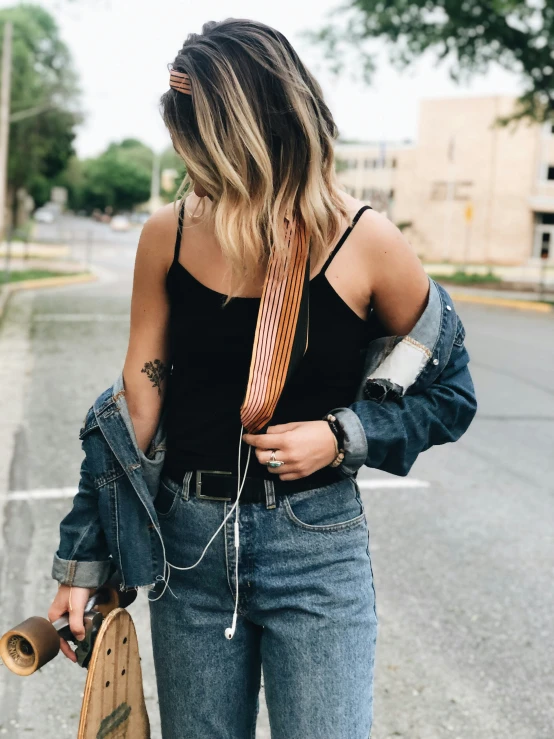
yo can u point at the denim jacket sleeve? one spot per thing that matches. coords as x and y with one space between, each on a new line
416 393
83 558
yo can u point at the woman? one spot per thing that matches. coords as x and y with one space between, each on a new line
288 580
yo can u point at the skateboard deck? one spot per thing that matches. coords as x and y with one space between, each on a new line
113 703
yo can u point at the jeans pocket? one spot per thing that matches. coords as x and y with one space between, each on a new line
167 498
333 508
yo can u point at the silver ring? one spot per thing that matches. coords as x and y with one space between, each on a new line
273 463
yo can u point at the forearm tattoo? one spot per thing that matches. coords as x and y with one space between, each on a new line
156 372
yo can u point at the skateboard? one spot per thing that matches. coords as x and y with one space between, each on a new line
113 702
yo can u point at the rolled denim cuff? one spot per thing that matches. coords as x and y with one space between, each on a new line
355 441
81 574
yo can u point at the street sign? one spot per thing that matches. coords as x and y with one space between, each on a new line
468 212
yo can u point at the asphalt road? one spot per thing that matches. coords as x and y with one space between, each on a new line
463 560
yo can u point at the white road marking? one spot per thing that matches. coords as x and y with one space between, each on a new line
42 494
58 493
78 317
396 483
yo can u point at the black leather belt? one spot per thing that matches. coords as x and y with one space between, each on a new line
221 485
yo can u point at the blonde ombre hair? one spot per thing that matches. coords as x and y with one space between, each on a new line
257 135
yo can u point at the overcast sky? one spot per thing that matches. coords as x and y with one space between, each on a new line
121 49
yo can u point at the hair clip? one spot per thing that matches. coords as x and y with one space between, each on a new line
180 81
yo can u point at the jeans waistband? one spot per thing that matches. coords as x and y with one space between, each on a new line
222 485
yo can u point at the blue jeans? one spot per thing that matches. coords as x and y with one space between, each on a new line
306 614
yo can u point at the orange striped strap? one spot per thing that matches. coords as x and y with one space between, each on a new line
281 337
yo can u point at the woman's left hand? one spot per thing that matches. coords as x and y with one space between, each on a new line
303 447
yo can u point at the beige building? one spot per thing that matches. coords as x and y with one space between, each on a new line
467 191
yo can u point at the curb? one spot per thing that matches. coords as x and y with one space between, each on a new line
39 283
529 305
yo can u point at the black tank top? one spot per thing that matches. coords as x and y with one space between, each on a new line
211 347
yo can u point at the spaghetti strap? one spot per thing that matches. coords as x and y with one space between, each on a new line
343 238
179 233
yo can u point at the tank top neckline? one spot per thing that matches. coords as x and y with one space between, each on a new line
223 296
320 274
251 300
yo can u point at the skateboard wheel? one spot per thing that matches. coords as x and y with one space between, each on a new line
123 598
29 646
110 598
126 597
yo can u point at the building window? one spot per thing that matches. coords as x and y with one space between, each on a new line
545 245
547 219
550 173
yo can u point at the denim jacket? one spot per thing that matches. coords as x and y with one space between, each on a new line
416 391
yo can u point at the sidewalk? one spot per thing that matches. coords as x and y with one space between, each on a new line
502 294
77 272
524 274
34 250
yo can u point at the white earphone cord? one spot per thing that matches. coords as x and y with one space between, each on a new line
230 631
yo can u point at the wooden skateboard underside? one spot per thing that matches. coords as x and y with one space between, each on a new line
113 702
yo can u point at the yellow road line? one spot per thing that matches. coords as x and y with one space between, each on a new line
530 305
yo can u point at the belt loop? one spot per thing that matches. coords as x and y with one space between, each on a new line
186 484
269 494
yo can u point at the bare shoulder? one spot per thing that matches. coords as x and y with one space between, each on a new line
373 228
385 247
158 235
398 284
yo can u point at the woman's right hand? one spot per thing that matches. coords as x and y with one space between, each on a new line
61 605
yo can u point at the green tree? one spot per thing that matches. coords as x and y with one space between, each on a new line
119 178
133 150
43 80
468 35
73 179
171 160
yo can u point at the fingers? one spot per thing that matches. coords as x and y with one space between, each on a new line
265 441
79 598
59 607
282 428
71 601
264 456
66 649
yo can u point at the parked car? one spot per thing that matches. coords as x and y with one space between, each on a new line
44 215
120 223
139 218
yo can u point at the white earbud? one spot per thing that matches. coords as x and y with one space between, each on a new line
230 631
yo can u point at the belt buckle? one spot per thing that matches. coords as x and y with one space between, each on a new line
199 493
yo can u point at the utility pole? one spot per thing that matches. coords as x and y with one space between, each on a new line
5 120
